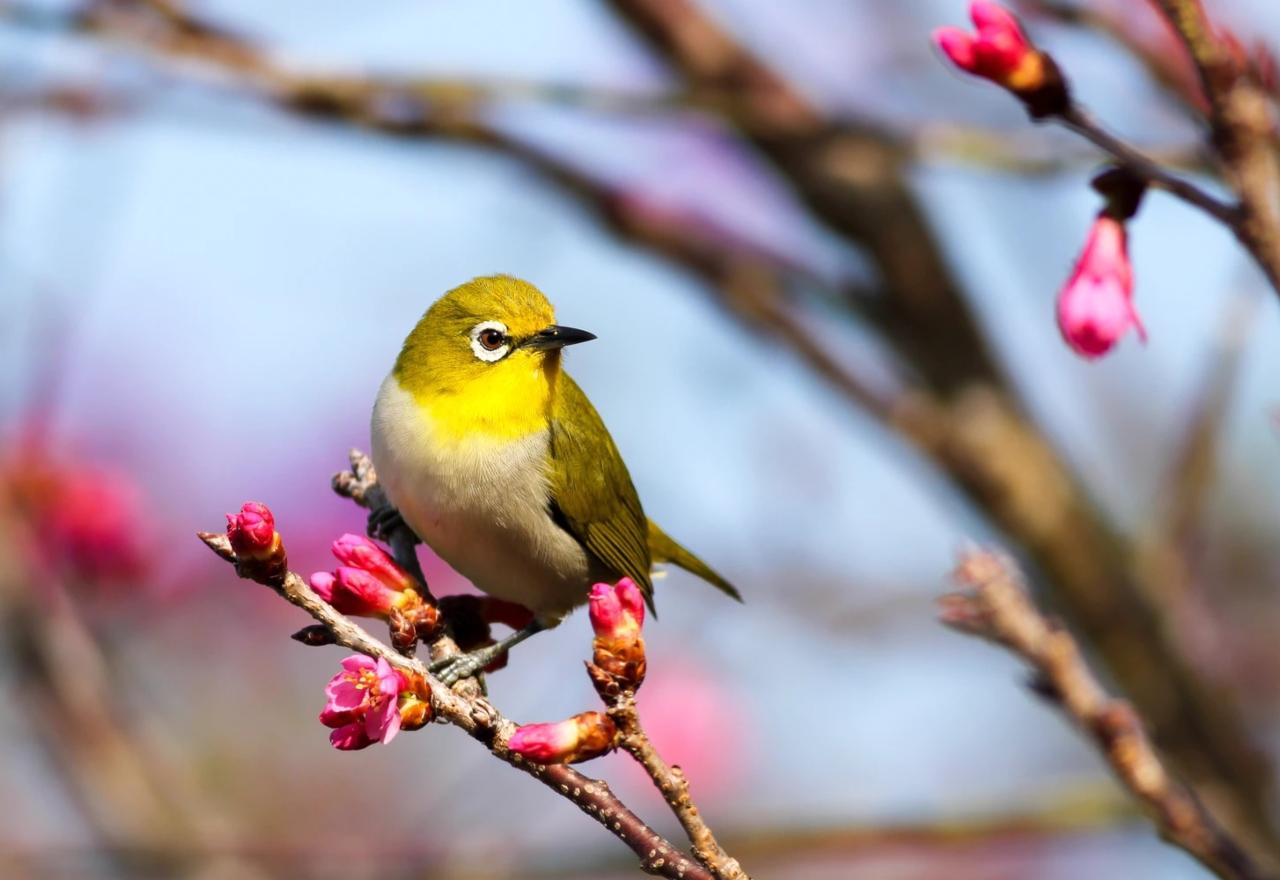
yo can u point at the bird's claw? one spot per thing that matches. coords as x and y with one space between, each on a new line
451 670
384 521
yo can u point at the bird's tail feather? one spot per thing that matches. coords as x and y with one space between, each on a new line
664 548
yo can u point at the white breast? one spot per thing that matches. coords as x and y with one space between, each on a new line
480 504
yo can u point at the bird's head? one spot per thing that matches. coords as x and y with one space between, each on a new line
493 340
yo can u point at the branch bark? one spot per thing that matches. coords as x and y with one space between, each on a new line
995 606
1241 124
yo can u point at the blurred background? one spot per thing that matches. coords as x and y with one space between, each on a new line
785 222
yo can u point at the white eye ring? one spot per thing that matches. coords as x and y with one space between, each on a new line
486 354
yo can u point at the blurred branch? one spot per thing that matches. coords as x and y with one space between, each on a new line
1078 120
1018 153
1190 478
62 683
1242 127
995 606
464 707
1161 66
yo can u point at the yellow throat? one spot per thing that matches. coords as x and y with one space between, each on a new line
464 397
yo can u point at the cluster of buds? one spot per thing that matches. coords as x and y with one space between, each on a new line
999 51
369 583
617 668
1095 307
370 702
258 547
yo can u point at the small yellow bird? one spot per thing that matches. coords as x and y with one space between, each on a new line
497 460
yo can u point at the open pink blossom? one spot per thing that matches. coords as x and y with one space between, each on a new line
252 530
616 610
1095 307
363 703
584 736
998 51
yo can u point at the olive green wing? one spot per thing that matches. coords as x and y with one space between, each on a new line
592 496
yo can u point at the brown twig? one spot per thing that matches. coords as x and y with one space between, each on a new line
1082 123
465 708
674 787
1240 119
995 605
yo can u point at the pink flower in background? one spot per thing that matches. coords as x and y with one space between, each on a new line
363 703
252 530
616 610
698 722
89 522
1095 308
999 51
96 524
584 736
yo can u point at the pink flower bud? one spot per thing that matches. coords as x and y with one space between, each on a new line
357 551
999 51
252 530
617 610
580 738
355 592
363 705
1095 308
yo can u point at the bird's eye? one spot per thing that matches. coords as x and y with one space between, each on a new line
489 341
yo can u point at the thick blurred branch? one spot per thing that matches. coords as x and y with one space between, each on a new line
140 810
995 606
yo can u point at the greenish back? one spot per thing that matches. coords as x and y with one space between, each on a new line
593 498
592 492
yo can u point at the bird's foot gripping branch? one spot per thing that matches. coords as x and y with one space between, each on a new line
383 688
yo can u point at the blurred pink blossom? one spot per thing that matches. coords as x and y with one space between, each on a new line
88 521
1095 308
695 721
999 51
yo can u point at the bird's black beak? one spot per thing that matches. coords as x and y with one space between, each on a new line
555 336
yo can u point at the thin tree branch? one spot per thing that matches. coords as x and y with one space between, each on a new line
1241 122
1082 123
674 787
995 606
